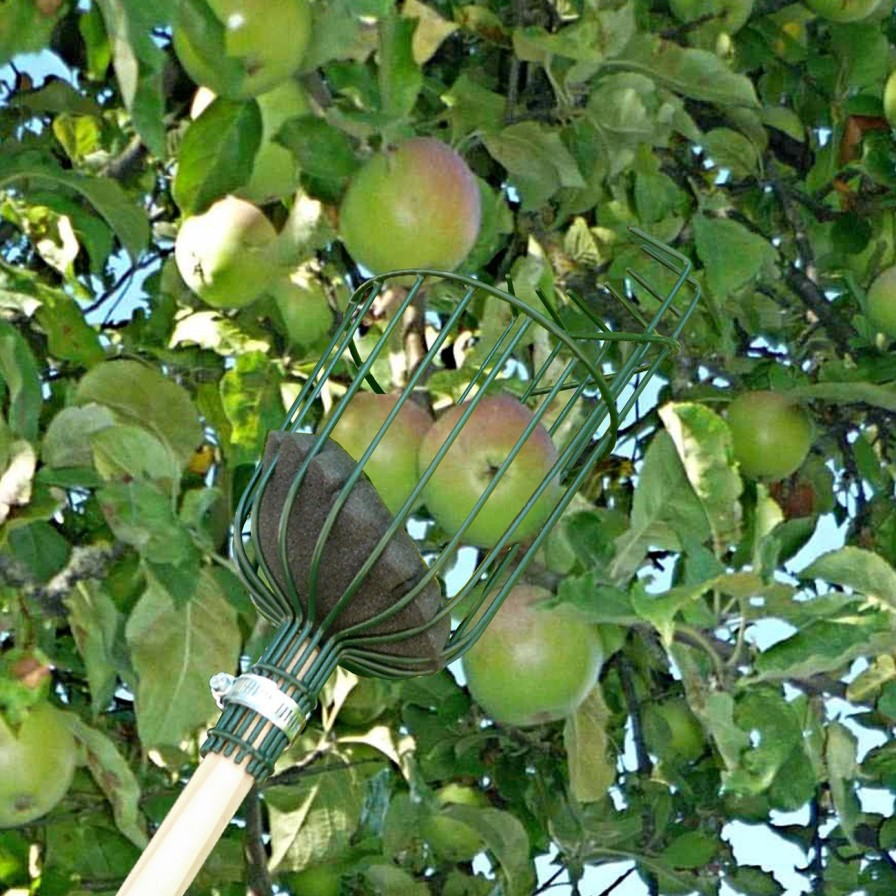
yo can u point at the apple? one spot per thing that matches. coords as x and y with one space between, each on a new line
392 468
671 727
881 302
843 10
37 764
890 99
771 434
248 48
416 205
225 253
451 839
481 446
319 880
533 665
366 701
303 307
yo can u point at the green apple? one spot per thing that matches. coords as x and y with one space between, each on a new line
304 309
225 253
37 764
392 468
366 701
771 434
451 839
843 10
319 880
416 205
533 665
246 47
890 99
881 302
671 727
469 465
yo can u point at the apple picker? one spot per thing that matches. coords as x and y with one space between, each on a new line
340 575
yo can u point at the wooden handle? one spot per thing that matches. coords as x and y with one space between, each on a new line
190 830
208 802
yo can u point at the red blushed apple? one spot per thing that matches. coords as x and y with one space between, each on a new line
533 665
416 205
392 468
225 253
469 466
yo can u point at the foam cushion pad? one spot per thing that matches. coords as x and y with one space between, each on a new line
358 528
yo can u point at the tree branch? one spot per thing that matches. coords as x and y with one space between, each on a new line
258 878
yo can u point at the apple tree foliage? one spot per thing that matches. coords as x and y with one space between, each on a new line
749 135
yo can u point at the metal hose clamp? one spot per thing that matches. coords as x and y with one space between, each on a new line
260 695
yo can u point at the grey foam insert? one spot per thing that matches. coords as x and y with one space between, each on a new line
358 527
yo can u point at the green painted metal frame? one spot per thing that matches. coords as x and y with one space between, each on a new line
582 384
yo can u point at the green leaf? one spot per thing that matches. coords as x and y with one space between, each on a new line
858 569
127 219
506 839
174 650
55 96
314 819
693 849
536 159
143 517
69 336
827 645
125 452
41 548
731 254
748 880
139 64
664 510
732 150
142 395
698 74
770 718
96 43
864 54
703 442
840 758
591 763
250 393
114 777
68 439
400 77
848 393
322 151
19 374
98 630
473 108
660 610
216 154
